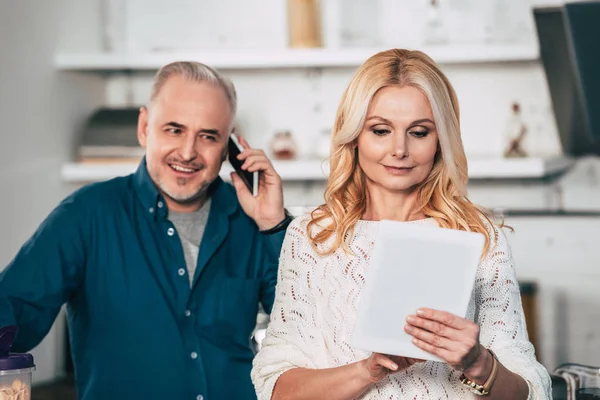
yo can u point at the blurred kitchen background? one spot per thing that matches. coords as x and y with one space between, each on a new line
74 72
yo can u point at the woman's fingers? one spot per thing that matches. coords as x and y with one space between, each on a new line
443 317
444 354
384 361
429 337
433 326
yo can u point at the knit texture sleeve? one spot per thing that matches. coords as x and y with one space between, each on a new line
291 337
499 313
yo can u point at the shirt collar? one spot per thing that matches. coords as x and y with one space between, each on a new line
224 199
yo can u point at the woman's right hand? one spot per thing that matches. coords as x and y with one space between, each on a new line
378 365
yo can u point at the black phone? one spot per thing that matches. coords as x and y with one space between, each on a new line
249 178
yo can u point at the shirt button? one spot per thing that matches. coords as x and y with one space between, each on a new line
194 355
188 313
170 231
199 397
181 271
160 204
151 209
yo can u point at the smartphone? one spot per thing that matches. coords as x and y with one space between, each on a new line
249 178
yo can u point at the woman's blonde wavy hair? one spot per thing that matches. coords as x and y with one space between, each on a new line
441 196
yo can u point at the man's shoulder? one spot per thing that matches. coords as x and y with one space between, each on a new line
100 194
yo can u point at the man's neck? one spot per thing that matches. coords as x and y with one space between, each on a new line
186 207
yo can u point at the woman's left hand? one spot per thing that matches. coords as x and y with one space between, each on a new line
451 338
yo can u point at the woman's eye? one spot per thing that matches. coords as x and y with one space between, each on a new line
381 132
419 134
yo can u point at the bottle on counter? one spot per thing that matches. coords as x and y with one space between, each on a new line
515 133
436 30
304 19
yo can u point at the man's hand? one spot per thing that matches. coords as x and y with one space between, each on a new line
266 209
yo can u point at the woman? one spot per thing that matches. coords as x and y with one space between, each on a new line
396 154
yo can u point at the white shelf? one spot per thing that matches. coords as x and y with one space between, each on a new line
314 170
286 58
303 170
517 168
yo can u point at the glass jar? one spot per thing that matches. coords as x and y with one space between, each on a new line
15 368
283 146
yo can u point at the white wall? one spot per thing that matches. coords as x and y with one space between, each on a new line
39 112
561 255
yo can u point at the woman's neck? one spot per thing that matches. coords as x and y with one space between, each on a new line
396 206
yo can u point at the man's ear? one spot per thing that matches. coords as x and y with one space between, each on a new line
224 156
226 148
142 127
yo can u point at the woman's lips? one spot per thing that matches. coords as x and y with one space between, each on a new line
398 170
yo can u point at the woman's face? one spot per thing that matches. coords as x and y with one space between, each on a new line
399 141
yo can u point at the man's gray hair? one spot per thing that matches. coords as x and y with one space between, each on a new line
194 72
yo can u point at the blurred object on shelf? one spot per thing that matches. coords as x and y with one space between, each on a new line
515 133
114 25
283 146
110 135
119 90
304 23
436 29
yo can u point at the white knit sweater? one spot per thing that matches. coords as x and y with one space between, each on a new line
316 304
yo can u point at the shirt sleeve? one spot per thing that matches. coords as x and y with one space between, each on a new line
271 245
292 333
43 275
501 318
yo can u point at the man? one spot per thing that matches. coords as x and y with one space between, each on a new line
162 270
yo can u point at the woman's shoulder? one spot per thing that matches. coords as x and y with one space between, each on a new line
304 216
496 231
498 248
301 230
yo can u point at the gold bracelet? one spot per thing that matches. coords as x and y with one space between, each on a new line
484 389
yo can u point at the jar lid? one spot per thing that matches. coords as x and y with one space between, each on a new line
8 360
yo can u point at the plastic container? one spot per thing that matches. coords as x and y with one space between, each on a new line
15 368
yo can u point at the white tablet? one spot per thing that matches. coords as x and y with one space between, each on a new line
413 266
